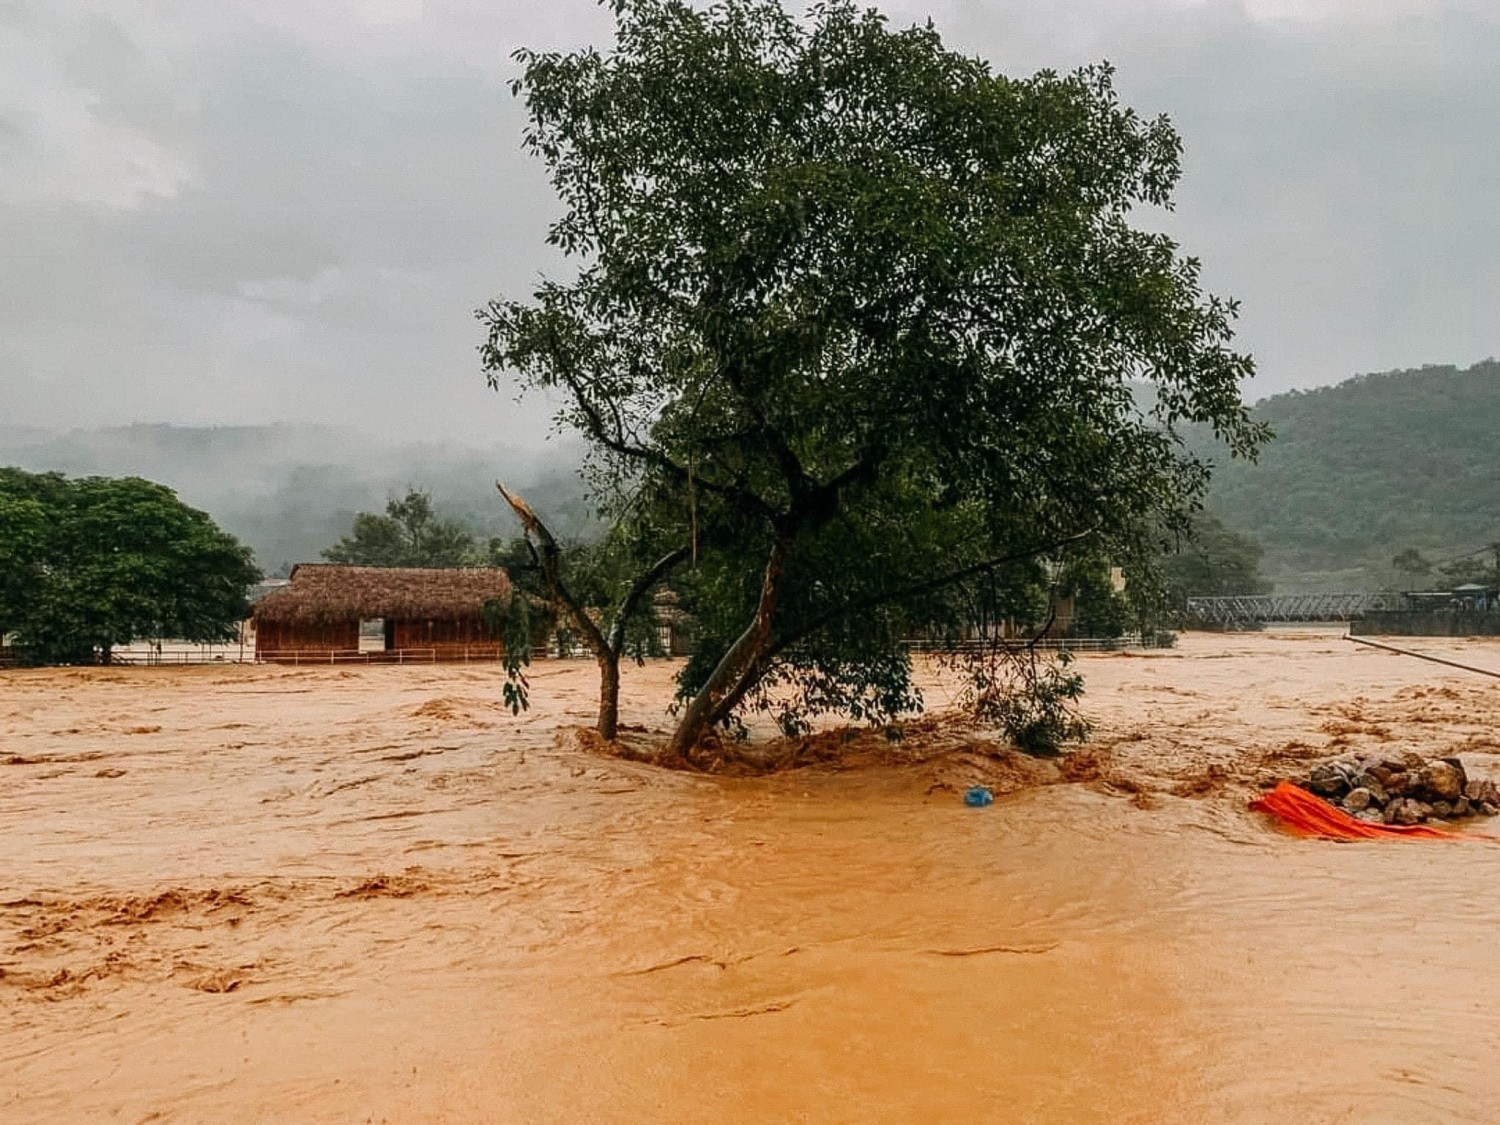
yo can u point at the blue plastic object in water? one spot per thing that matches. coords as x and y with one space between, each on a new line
978 797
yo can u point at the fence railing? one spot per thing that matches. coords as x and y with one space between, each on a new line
1047 644
150 655
155 660
143 656
147 656
348 656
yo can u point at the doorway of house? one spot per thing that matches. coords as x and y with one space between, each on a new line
377 634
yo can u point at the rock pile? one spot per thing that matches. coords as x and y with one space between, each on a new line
1404 789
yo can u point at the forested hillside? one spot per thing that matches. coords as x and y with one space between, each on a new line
1362 470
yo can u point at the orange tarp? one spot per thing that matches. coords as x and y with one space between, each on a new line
1308 815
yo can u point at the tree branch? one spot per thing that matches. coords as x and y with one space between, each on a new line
751 674
617 443
638 590
549 558
823 500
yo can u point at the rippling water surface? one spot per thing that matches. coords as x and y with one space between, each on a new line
253 895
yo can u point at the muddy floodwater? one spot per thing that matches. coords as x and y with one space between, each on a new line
307 895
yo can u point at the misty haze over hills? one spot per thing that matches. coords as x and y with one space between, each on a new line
290 491
1358 472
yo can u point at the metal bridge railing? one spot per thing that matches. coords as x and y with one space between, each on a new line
1256 609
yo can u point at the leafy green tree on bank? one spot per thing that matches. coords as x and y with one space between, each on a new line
1411 565
867 316
1099 609
1212 560
103 562
410 533
1480 568
23 539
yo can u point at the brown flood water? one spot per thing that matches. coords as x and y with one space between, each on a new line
259 894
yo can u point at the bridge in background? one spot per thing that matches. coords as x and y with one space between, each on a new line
1249 610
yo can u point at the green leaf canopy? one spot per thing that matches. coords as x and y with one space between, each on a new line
109 561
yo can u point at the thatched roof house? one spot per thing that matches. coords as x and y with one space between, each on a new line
423 613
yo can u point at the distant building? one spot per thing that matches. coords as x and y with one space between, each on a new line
675 628
1469 610
410 613
1472 595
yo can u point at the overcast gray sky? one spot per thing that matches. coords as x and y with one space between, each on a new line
224 211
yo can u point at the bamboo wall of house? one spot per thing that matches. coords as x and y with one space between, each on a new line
272 637
463 637
305 642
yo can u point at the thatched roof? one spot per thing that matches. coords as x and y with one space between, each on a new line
327 592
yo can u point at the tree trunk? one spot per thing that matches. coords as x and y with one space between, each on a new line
608 725
729 678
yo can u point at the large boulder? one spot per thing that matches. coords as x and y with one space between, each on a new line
1358 799
1442 781
1482 793
1401 783
1328 780
1406 811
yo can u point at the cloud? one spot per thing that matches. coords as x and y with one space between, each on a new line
62 141
1356 12
1334 177
296 291
252 210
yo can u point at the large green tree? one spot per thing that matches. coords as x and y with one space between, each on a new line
23 539
410 533
869 314
1411 565
103 562
1481 567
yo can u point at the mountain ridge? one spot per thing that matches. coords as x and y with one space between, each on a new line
1363 469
